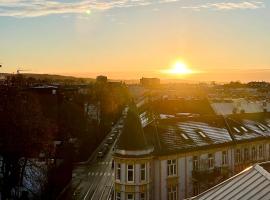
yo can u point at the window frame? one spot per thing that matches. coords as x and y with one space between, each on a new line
171 167
143 170
211 164
238 156
133 196
172 192
118 197
224 158
132 171
142 198
196 163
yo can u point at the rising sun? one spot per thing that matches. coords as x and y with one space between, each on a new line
179 68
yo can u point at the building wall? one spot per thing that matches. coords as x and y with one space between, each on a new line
158 181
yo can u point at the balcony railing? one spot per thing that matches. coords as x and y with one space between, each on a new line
210 175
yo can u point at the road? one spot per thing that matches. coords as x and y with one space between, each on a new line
94 179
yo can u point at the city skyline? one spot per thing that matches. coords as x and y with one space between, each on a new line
124 39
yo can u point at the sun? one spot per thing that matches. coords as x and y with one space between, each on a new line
179 68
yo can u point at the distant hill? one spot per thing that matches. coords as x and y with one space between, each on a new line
56 77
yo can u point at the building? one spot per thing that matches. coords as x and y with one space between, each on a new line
252 183
133 158
177 157
150 82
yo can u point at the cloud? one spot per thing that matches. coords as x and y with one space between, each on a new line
228 5
35 8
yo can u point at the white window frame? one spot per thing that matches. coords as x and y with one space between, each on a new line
130 170
172 192
143 172
211 163
196 163
224 158
172 167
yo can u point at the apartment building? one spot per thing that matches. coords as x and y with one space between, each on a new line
171 158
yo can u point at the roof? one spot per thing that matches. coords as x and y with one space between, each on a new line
252 183
183 134
132 137
174 134
238 106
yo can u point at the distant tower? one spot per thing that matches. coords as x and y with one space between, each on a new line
133 160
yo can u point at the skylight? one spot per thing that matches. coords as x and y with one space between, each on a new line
237 130
202 134
184 136
261 127
244 129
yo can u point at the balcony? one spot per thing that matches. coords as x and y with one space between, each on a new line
210 175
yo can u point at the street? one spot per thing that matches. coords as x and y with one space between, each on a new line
94 179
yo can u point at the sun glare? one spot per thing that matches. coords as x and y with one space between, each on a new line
179 68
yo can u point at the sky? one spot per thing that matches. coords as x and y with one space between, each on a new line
220 40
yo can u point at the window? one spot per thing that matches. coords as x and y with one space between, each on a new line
210 161
261 151
142 196
238 156
195 163
237 130
171 167
261 127
130 196
244 129
196 188
224 158
118 196
184 136
172 192
130 173
202 134
253 154
246 154
143 172
118 171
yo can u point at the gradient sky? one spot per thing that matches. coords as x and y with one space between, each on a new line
223 39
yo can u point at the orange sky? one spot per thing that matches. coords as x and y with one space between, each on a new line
222 41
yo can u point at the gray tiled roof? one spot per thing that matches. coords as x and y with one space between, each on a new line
251 184
132 137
